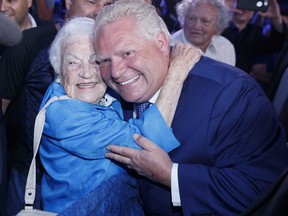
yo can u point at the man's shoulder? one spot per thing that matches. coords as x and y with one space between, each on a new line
212 76
211 69
40 30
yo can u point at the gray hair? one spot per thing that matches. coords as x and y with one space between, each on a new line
223 15
149 23
78 26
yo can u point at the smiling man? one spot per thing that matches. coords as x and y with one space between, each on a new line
224 161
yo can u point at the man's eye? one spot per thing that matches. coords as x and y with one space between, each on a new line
91 2
129 53
103 62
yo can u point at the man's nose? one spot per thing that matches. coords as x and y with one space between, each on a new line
3 6
117 67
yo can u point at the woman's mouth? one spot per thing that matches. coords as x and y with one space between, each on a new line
86 85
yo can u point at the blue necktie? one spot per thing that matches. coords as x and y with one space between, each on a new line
140 108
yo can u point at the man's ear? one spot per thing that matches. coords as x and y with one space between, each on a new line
29 3
163 43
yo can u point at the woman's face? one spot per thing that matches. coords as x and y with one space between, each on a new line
200 25
80 74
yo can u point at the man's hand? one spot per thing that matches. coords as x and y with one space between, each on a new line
274 14
151 162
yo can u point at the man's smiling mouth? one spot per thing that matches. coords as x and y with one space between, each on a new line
132 80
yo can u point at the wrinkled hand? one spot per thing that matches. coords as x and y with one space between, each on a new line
183 58
151 162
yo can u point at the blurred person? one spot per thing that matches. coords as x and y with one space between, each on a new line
10 35
169 15
49 10
248 38
85 8
202 22
277 89
15 64
44 9
18 11
225 161
264 66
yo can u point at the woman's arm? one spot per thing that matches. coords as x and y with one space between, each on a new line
182 60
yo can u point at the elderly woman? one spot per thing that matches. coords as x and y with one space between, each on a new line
202 22
79 127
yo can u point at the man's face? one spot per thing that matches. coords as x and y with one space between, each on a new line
242 16
16 10
200 25
80 74
238 15
130 64
85 8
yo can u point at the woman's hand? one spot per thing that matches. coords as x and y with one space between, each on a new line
182 60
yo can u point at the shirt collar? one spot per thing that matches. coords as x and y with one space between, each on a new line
154 98
107 100
32 20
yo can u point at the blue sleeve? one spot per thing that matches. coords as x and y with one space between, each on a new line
85 131
153 126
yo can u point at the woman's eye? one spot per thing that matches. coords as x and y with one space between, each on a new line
72 64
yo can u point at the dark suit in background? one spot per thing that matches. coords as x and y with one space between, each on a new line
3 164
280 67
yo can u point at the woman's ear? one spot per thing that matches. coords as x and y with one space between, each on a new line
163 43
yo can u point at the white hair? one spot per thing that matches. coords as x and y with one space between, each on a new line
78 26
148 22
223 15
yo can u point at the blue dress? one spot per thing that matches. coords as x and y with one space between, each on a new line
74 141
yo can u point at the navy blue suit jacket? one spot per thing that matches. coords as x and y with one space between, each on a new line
232 145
